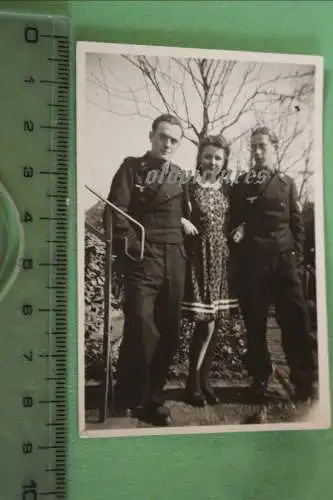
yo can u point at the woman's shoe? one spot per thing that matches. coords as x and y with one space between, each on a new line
210 395
195 398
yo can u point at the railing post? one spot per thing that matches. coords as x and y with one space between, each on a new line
107 383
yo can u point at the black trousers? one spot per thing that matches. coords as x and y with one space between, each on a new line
275 278
153 292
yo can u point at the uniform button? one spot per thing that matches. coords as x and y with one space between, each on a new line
282 204
273 234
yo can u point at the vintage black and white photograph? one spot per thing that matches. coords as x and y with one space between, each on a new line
201 244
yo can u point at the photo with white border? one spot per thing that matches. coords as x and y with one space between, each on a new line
200 348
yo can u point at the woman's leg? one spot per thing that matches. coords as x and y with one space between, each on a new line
193 389
207 364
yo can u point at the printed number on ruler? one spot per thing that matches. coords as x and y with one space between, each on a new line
35 315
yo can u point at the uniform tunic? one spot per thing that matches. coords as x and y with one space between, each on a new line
153 286
267 261
207 294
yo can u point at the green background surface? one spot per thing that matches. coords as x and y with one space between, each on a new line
292 465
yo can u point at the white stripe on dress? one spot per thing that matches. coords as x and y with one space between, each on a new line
222 304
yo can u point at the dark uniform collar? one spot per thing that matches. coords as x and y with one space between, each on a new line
150 162
266 172
272 172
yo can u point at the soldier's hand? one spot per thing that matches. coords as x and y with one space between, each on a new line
126 247
189 228
237 234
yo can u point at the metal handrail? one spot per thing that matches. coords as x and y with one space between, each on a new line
127 216
95 232
107 381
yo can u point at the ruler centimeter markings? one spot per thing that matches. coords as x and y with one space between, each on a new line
35 57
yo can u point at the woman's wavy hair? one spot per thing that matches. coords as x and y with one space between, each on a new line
214 140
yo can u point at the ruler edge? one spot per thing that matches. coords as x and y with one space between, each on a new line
70 203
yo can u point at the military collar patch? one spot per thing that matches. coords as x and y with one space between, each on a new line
251 199
140 187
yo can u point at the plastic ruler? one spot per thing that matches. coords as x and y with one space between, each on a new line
35 59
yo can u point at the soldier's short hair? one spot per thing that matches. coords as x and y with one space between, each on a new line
266 131
173 120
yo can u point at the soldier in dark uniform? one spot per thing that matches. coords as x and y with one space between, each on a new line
150 189
266 240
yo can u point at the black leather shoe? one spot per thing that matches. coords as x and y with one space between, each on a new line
155 415
210 395
195 398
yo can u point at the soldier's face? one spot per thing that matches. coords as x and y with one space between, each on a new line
263 152
212 160
165 140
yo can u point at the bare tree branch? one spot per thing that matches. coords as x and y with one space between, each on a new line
210 94
190 72
116 112
221 82
249 70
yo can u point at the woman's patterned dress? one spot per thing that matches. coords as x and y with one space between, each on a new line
207 296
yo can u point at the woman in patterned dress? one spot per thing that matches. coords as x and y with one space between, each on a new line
206 297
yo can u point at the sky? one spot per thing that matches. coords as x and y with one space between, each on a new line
107 137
